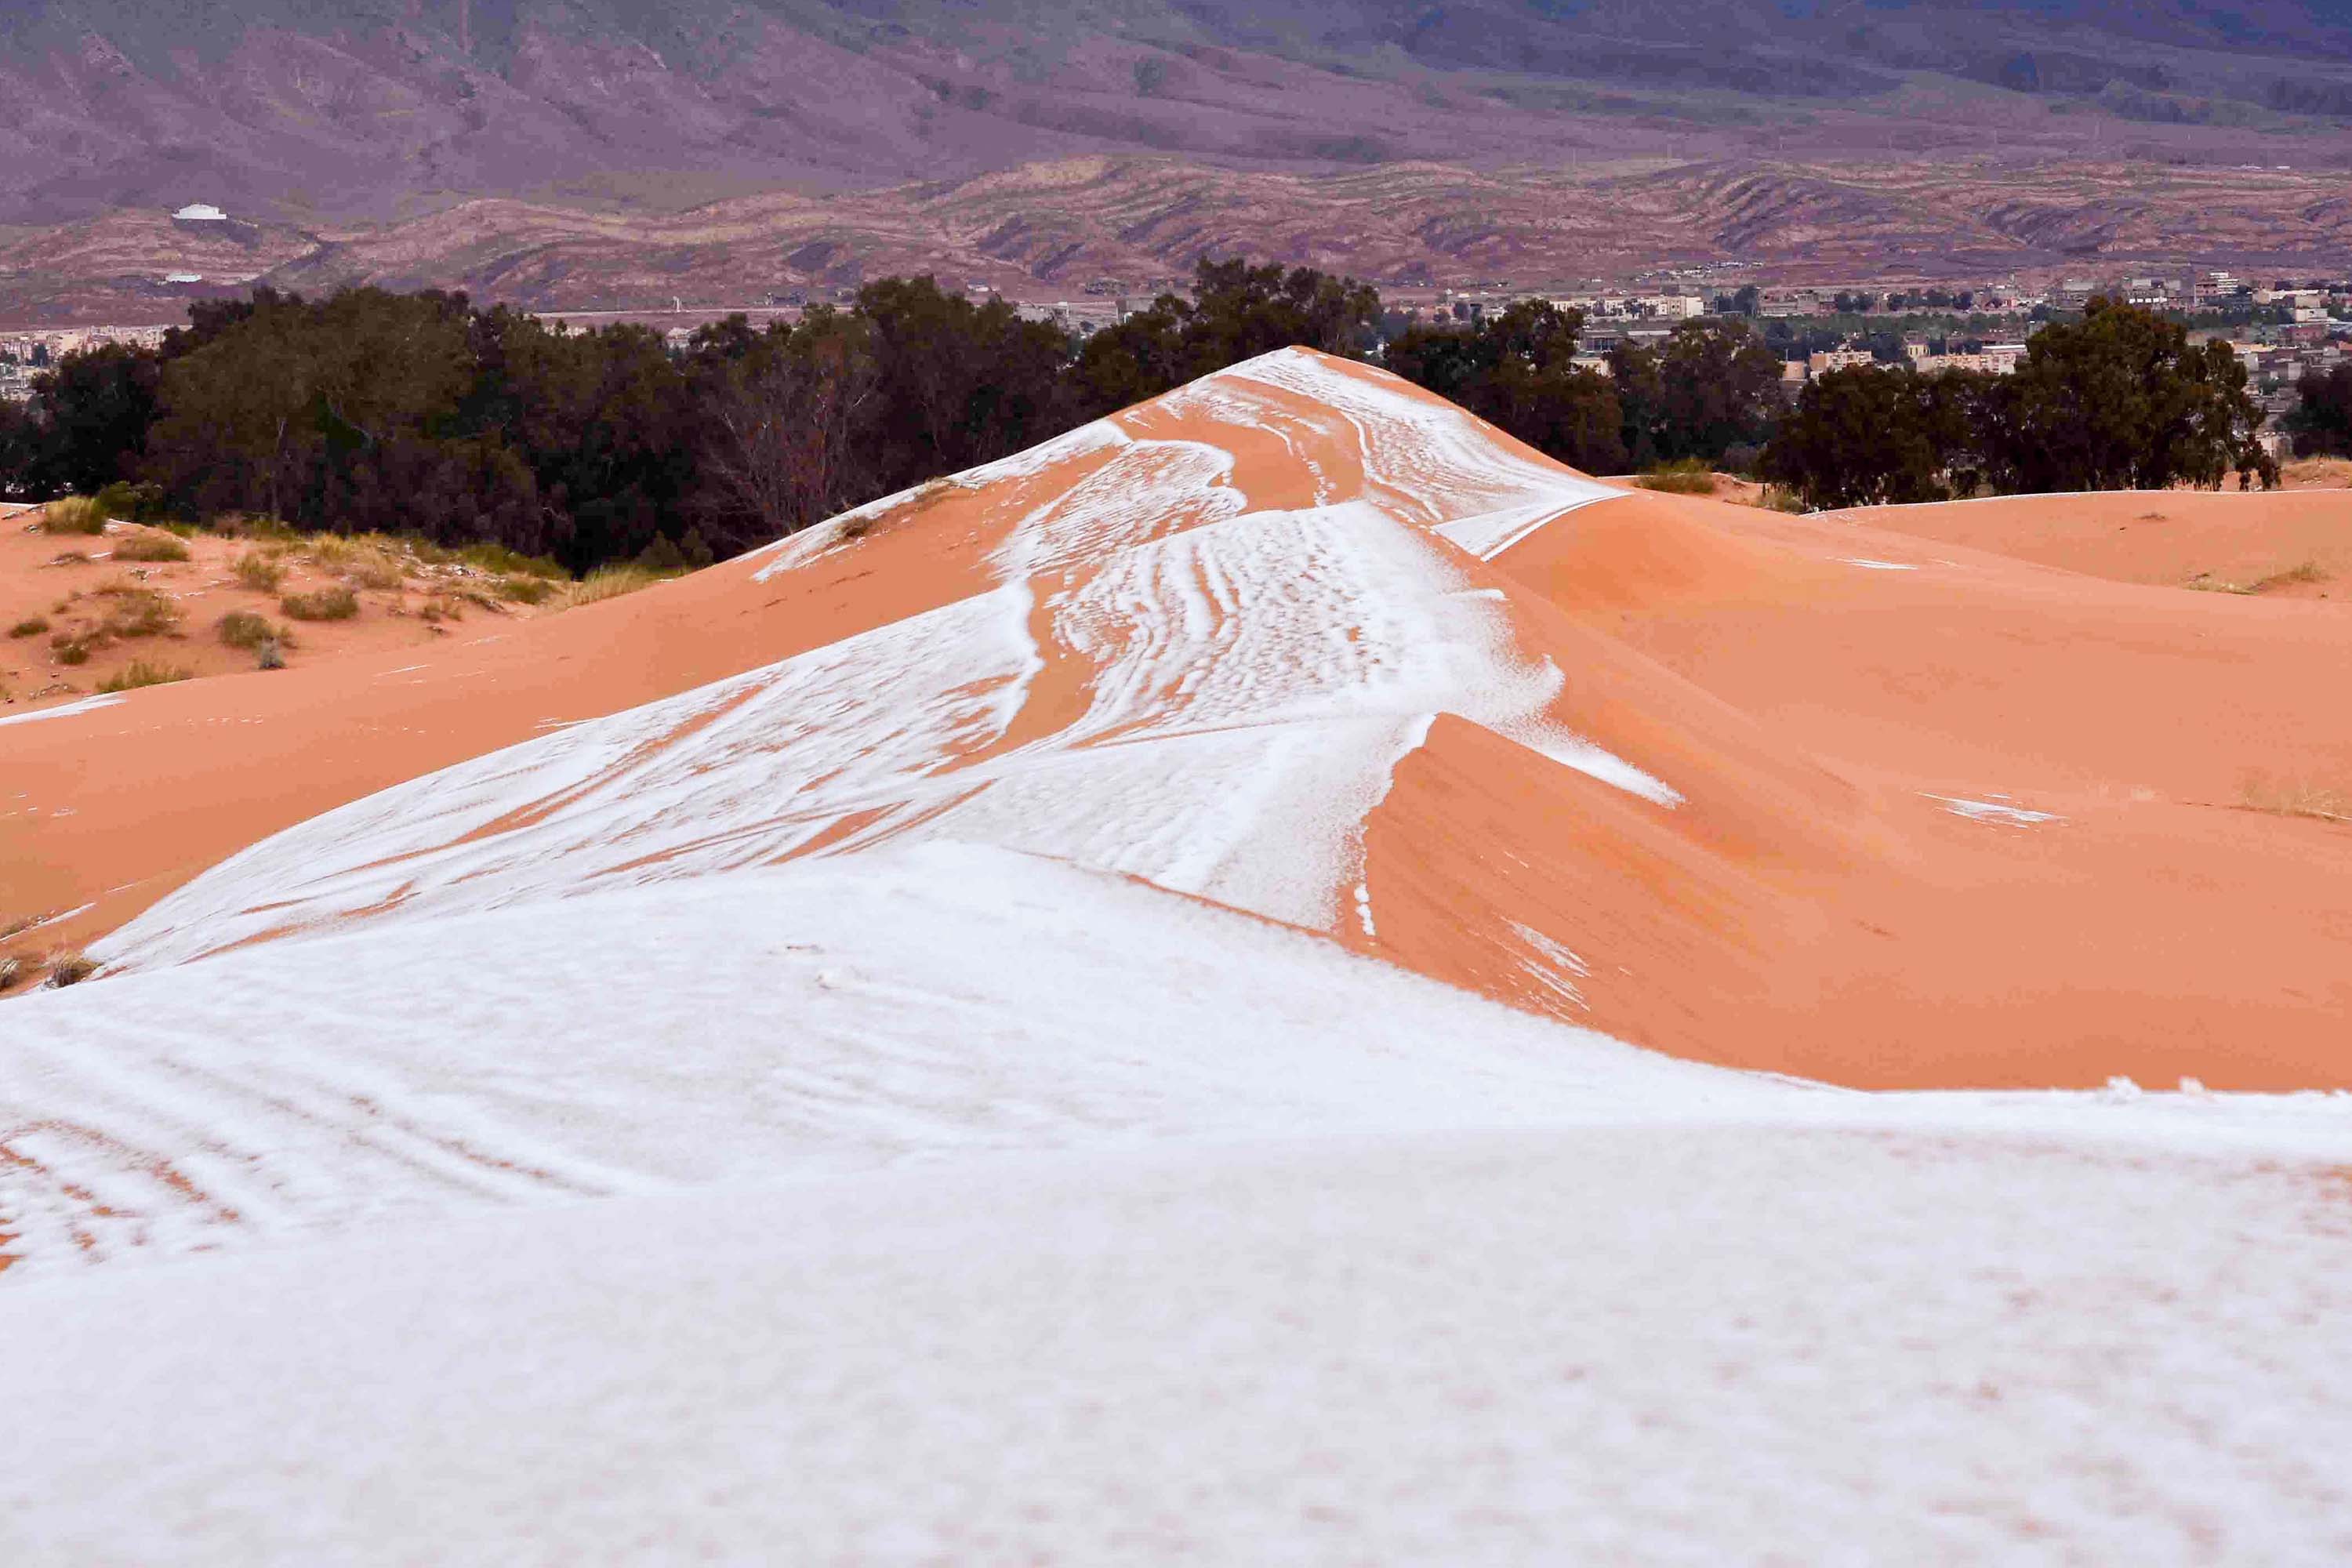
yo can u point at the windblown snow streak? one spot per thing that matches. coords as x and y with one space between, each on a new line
1249 680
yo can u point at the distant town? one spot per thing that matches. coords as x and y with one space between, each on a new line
2281 329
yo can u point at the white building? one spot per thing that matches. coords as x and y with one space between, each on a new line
200 212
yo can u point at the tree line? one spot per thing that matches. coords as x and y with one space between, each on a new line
423 413
2119 400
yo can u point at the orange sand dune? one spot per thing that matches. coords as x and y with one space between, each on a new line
2161 929
1787 792
2287 545
102 811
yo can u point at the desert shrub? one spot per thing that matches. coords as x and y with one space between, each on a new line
321 604
31 627
243 628
2309 571
10 968
74 647
74 514
2295 797
137 612
151 545
258 572
1683 476
609 582
127 502
526 590
369 560
138 673
72 970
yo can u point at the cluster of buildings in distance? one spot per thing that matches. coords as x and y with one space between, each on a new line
24 352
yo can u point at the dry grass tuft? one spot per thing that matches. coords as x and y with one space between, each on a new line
10 969
243 628
371 561
31 627
74 514
150 545
260 571
2295 797
137 611
321 605
140 673
74 647
1683 476
608 583
2308 572
526 590
72 970
2318 473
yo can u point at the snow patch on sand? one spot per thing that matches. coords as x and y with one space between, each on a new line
1993 811
64 710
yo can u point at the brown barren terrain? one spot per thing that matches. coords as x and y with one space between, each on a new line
1048 228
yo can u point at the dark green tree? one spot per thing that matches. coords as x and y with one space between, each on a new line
1515 370
1237 311
2322 421
1710 387
1868 435
955 384
94 408
2121 401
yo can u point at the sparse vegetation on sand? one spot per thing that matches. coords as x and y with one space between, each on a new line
140 672
150 545
259 571
371 560
525 590
2318 473
244 629
10 968
338 603
72 970
2295 797
31 627
136 612
74 514
1683 476
2308 572
609 582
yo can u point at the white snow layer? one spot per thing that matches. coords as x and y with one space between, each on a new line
1251 676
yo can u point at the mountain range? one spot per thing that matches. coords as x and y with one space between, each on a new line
334 121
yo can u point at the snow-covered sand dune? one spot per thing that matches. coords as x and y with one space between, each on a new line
935 1096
